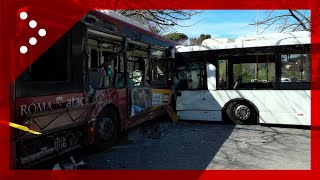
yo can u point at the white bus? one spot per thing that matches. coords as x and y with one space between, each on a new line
249 80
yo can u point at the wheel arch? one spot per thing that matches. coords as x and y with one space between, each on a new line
116 109
224 108
102 142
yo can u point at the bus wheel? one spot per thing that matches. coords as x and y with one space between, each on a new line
241 112
106 130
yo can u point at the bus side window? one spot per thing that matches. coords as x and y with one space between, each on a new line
134 73
137 57
295 71
223 64
137 77
119 79
160 72
98 78
193 81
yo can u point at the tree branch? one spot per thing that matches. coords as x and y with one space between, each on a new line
299 20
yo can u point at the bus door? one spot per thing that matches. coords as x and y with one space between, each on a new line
196 83
161 69
106 72
139 93
148 76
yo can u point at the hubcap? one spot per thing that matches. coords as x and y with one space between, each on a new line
242 112
106 128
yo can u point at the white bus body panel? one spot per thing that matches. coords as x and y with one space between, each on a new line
200 115
290 107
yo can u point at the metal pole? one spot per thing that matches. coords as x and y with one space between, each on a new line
257 25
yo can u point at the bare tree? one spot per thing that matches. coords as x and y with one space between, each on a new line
291 20
159 20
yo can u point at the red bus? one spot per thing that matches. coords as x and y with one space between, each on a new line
104 76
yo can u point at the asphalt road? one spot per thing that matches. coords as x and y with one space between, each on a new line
195 145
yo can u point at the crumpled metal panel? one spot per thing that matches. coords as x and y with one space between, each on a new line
50 121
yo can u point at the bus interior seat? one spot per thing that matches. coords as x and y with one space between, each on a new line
98 78
119 79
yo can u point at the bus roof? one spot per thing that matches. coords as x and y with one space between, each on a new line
273 39
110 15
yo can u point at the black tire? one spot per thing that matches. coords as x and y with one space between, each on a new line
241 112
107 130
